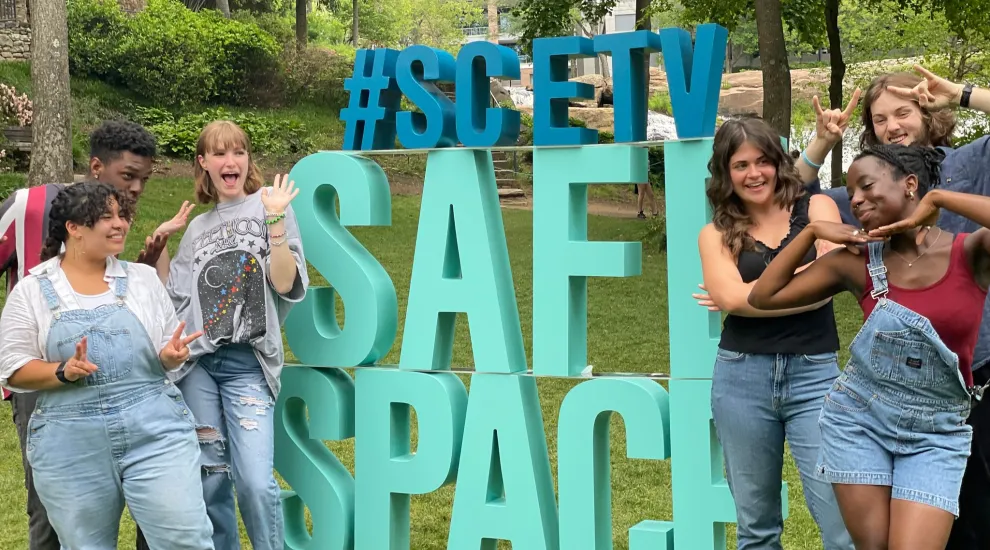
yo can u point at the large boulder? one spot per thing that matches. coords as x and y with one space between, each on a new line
602 92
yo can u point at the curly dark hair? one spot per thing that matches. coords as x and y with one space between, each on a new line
83 204
939 124
113 137
924 162
728 212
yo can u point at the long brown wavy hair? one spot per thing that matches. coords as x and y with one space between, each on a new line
728 212
939 124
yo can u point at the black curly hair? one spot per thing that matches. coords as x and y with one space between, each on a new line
83 204
922 161
113 137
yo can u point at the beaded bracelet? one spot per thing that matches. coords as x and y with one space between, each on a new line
275 218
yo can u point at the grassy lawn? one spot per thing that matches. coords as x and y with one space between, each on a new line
627 331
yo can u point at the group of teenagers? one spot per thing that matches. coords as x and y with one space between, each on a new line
893 450
153 382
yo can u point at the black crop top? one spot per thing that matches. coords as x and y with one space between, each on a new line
805 333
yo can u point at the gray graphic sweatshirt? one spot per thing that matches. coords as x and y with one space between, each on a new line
219 283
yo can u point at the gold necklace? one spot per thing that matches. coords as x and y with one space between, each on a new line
909 264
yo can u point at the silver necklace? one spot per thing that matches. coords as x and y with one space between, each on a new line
909 264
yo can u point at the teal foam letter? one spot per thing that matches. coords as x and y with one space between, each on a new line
319 480
386 472
365 287
563 259
504 490
461 265
584 481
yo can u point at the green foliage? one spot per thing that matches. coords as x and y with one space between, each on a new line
272 135
660 102
655 236
316 75
546 18
169 54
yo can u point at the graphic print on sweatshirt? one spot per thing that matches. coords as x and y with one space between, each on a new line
231 280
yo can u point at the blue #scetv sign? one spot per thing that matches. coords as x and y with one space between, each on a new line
490 442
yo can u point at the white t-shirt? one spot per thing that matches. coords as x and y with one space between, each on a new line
93 301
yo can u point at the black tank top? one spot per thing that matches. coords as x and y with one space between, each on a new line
807 333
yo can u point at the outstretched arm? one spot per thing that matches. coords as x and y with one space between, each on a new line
779 287
724 283
830 126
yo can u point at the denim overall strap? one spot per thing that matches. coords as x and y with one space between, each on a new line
878 271
48 289
120 286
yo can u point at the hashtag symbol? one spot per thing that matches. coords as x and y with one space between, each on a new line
374 99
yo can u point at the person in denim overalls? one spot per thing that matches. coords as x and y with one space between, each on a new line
895 441
94 336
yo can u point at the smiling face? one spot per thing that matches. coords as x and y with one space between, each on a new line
107 235
898 121
877 198
127 172
227 168
753 175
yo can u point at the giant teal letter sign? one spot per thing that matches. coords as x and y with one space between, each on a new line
364 286
492 440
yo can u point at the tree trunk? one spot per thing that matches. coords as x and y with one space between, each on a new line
835 83
493 21
51 146
354 25
773 63
302 32
644 25
224 7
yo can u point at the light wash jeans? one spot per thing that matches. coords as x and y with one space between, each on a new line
234 411
758 401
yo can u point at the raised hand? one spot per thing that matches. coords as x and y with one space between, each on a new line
78 366
831 124
842 234
176 352
153 247
934 92
279 196
704 299
178 221
925 216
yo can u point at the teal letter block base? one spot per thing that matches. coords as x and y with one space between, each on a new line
563 259
652 535
583 467
504 490
386 471
319 481
372 311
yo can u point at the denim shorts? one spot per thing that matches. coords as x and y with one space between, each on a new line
870 437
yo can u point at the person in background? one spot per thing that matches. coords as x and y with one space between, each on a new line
772 368
906 108
94 337
121 154
237 273
894 432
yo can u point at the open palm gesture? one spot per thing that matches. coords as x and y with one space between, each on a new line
178 221
934 92
924 217
279 195
176 352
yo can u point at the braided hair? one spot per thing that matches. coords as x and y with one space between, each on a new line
82 204
924 162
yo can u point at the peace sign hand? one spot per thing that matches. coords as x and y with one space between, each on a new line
831 124
176 352
278 197
934 92
78 366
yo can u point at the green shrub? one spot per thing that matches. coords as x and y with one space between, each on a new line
170 54
269 135
655 236
316 75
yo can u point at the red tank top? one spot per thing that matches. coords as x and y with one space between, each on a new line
953 304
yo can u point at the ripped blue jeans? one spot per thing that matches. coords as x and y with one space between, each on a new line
234 411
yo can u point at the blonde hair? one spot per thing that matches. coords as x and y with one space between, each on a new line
221 135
